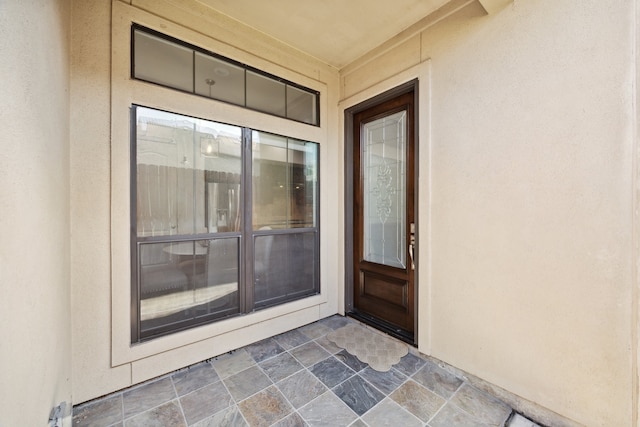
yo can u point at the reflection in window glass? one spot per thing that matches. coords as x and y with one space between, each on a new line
270 181
183 281
265 94
188 175
160 61
284 182
219 79
189 220
301 105
173 63
285 267
303 158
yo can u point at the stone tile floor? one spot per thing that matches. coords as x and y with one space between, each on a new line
300 378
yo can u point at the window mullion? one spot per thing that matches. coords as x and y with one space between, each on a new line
247 258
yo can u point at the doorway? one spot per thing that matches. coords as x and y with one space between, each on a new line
381 252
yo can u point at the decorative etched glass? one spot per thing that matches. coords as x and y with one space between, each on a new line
384 190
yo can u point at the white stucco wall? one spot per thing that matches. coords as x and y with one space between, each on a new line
531 138
35 318
104 360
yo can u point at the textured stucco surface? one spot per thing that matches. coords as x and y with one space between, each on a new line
35 331
530 209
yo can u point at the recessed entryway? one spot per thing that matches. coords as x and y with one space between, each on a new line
381 153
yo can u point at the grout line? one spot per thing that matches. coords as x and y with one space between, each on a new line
175 390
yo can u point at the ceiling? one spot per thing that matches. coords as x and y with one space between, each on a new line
333 31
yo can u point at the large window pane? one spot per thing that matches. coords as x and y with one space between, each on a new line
160 61
188 222
183 281
219 79
285 267
188 174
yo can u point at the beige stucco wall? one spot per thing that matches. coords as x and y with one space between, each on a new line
35 318
104 360
526 237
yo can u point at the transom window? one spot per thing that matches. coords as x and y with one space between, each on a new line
224 221
161 59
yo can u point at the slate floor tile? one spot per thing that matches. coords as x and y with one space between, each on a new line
246 383
265 408
147 396
293 420
263 350
389 414
350 360
450 416
409 364
301 388
168 414
358 394
281 366
103 412
300 378
230 417
194 377
327 411
386 382
480 405
310 353
291 339
232 363
205 402
416 399
336 321
331 371
328 345
438 380
315 330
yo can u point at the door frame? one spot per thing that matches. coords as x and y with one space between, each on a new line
349 114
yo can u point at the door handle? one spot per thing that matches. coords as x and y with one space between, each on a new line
412 243
413 266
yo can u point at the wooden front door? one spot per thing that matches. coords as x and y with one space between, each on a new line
383 215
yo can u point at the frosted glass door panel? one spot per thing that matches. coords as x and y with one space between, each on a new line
384 185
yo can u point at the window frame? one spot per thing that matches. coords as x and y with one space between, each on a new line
247 69
246 236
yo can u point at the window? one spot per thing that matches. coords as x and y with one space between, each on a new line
217 232
160 59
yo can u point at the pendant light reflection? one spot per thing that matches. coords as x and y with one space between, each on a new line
209 146
210 82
